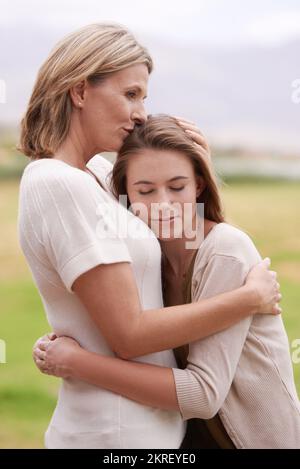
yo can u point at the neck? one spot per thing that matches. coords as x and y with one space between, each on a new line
177 256
75 150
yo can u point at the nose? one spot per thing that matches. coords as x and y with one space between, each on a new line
139 115
161 207
165 204
163 211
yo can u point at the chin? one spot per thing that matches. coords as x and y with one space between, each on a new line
113 146
168 238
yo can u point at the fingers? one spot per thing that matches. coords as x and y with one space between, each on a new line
184 120
45 338
273 274
195 134
190 127
193 131
40 363
43 345
278 298
42 367
267 261
276 309
198 138
51 336
39 354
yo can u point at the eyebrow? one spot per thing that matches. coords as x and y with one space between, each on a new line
176 178
138 88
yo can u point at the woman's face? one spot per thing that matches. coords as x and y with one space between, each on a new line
162 188
110 110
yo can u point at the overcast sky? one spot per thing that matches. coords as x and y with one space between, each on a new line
231 62
216 22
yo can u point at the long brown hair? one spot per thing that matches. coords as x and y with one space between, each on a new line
90 53
162 132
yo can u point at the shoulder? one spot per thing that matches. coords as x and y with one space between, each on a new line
227 241
49 172
100 164
232 241
45 170
48 183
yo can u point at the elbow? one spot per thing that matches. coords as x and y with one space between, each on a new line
128 353
123 353
126 350
131 347
214 401
121 350
206 405
213 405
207 412
210 411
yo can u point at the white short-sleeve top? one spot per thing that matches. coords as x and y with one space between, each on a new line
67 225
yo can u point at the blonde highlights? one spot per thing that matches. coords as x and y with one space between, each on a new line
90 53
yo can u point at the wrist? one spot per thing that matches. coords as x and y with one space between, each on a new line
72 362
252 299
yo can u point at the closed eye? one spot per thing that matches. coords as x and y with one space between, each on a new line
145 193
176 189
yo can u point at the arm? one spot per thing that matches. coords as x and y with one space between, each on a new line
211 364
147 384
132 332
201 387
75 215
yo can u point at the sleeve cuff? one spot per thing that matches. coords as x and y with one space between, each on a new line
89 258
189 399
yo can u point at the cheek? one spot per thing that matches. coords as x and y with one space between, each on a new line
188 202
188 195
139 206
119 110
106 111
95 120
191 195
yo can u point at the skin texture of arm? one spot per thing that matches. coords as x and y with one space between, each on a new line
147 384
155 385
110 295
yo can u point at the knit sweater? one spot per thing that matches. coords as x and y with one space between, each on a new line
243 374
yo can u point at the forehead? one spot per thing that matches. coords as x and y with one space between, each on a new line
158 165
133 76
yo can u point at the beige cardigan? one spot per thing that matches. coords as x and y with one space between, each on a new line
243 373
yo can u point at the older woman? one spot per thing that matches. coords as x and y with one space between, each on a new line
95 283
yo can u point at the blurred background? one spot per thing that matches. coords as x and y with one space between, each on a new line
230 66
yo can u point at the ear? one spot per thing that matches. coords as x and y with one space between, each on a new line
200 185
78 94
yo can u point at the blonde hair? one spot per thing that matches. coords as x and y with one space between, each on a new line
90 53
161 132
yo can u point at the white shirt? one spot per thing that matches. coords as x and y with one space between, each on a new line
67 226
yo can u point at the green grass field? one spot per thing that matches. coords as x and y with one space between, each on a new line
268 211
